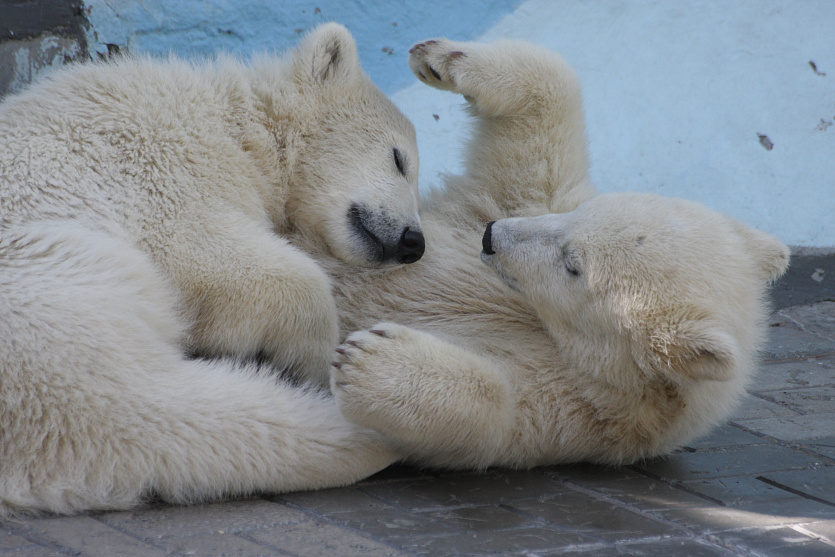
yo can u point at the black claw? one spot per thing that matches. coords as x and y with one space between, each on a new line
377 332
436 74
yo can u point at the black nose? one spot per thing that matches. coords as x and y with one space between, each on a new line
411 246
487 240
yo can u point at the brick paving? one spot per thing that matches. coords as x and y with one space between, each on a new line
763 484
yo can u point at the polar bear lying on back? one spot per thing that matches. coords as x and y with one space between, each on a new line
610 329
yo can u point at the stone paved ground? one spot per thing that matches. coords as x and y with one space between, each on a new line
763 484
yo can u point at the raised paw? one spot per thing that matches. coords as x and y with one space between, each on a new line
434 62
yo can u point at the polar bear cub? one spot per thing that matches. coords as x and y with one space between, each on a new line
603 328
144 209
205 167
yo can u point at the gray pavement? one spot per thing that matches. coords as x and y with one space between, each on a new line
762 484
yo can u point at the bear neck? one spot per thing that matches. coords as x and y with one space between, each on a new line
272 123
598 355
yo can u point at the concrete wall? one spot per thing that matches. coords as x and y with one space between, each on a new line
727 103
36 35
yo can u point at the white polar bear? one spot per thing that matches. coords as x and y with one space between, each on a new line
610 329
142 209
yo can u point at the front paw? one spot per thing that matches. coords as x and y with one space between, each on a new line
435 63
370 376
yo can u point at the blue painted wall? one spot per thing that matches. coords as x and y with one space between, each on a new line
384 30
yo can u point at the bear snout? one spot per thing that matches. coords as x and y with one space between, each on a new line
487 239
382 238
411 246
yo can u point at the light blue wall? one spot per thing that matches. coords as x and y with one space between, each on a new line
677 93
384 30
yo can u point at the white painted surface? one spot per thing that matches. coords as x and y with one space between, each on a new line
676 95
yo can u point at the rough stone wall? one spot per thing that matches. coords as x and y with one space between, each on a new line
36 35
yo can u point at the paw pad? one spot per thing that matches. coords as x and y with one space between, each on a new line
421 45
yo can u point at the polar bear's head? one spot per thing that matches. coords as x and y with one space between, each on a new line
669 285
356 178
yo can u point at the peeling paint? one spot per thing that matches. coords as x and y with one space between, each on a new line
815 68
765 142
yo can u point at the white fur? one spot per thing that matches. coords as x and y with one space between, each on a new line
142 209
604 329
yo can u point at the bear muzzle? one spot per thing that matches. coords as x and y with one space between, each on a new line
383 239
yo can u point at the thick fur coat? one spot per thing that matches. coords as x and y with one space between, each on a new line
603 328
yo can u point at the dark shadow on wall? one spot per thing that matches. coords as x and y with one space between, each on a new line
809 280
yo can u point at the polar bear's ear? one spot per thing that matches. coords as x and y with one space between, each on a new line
695 349
771 254
327 53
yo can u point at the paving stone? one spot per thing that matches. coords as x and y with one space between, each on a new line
216 545
475 519
329 501
778 541
793 509
752 406
738 490
35 550
527 540
601 519
803 372
455 490
228 517
819 483
824 446
675 547
648 494
816 318
792 428
9 540
801 331
88 536
593 548
725 435
726 462
318 539
807 400
12 544
714 518
824 529
788 342
392 522
591 474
